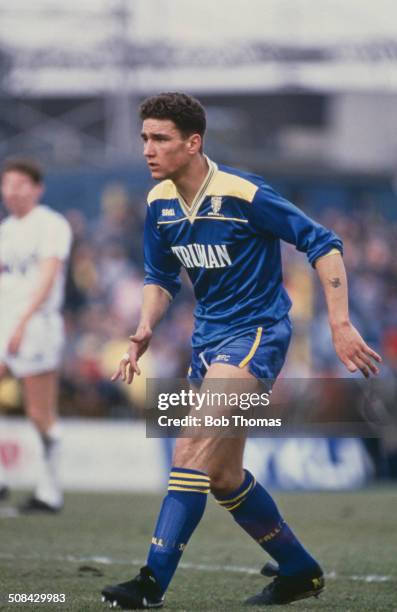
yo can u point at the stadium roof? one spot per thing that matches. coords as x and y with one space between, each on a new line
96 46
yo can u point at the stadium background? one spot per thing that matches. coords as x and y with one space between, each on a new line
300 91
305 95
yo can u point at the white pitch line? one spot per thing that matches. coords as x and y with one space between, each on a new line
238 569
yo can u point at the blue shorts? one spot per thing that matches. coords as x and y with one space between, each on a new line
262 349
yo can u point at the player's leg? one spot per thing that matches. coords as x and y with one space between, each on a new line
253 508
3 370
197 462
4 491
40 393
195 459
180 513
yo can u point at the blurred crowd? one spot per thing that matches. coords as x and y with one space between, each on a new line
103 298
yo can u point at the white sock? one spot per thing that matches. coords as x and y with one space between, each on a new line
48 488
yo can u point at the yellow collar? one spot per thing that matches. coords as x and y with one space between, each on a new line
191 212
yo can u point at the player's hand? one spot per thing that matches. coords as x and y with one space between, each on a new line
354 353
16 339
128 365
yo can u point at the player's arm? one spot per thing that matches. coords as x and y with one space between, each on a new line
272 213
161 284
53 251
154 305
351 349
49 270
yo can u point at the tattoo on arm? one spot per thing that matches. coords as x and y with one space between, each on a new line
335 282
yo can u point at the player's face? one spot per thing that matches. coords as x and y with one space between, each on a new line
166 150
19 192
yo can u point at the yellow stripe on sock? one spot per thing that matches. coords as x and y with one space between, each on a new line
195 483
176 474
226 502
230 508
174 488
253 348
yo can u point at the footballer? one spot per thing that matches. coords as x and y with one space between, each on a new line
34 247
224 226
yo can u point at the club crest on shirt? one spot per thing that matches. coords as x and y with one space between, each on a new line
216 203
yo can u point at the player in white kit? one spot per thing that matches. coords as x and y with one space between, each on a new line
35 243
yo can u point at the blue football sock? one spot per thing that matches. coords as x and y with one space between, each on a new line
255 511
180 514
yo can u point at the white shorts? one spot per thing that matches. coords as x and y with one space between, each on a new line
41 346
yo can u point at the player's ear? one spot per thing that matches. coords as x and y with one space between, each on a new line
40 190
194 144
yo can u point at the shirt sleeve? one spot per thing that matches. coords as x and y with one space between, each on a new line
271 213
161 266
56 238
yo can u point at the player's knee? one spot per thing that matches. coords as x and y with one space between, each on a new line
225 481
191 454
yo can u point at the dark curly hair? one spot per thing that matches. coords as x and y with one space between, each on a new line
24 166
185 111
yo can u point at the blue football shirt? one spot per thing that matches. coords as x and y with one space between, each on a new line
229 242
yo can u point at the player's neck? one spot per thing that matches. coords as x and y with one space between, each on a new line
190 181
25 210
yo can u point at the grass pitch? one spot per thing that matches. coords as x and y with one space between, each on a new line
101 539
